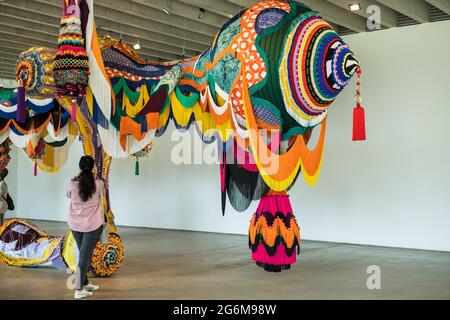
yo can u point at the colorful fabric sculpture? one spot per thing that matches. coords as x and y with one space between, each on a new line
26 245
34 75
23 244
99 82
108 258
276 66
266 82
45 119
40 123
71 66
35 69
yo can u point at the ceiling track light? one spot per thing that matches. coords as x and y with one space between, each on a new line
201 14
354 6
167 8
137 45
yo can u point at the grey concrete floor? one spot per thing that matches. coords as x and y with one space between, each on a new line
168 264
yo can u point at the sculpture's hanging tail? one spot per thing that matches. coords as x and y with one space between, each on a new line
274 235
359 125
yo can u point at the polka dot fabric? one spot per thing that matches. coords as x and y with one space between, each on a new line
253 67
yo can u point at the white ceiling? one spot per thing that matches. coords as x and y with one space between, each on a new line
26 23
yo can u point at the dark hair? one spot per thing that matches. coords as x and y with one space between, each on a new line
86 179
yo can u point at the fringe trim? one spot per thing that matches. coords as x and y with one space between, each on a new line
271 232
273 267
272 250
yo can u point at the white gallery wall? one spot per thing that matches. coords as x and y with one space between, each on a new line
391 190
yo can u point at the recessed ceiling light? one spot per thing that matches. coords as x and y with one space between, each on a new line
354 6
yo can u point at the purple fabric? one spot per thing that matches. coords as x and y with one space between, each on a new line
20 114
156 103
56 259
265 115
58 263
115 59
68 10
268 18
84 15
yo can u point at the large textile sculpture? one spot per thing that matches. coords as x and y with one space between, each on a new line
266 82
272 71
26 245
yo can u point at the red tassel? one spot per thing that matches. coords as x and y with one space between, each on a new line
359 123
35 168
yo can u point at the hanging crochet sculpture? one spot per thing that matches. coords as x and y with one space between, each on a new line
71 67
34 75
36 122
274 68
265 83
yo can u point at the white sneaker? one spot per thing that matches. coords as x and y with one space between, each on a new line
91 287
80 294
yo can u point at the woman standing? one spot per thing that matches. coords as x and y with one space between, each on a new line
85 220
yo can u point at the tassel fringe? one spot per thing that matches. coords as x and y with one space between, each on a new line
359 121
136 168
